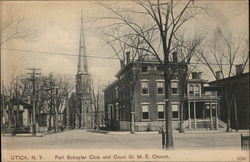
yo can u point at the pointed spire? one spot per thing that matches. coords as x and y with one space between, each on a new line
82 60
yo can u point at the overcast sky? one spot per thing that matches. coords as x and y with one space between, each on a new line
56 26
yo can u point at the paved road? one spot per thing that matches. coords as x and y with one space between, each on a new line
81 139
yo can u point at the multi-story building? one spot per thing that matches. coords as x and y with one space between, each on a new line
140 91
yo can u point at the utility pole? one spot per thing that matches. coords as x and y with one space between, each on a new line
33 79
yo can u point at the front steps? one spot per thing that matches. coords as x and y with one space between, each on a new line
204 124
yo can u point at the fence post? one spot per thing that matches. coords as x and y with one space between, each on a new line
241 142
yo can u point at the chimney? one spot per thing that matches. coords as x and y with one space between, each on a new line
122 62
218 75
195 75
175 59
238 69
128 57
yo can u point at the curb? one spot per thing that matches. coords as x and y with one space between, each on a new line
24 135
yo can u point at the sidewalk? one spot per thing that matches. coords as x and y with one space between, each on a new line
23 135
220 131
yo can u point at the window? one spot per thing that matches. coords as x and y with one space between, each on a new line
121 113
144 69
117 111
174 87
110 111
160 87
144 87
159 68
175 110
197 90
116 92
145 113
160 110
191 90
175 75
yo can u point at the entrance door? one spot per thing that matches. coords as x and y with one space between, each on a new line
199 110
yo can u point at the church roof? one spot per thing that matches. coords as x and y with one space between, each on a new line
82 60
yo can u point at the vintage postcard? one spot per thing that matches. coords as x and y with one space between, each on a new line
141 80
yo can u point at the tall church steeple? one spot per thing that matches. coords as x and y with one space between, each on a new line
82 60
82 76
83 82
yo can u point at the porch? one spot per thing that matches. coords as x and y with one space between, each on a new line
202 112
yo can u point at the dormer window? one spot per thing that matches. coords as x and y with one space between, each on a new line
144 69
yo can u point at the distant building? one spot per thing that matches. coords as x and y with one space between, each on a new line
80 113
148 99
239 85
17 114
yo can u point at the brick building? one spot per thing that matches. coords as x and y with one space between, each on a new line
139 91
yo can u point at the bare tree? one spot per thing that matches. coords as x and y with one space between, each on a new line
128 46
187 49
56 88
96 97
63 86
221 57
167 18
16 93
13 27
9 91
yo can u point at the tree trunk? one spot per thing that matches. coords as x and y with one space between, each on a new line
9 116
97 122
168 111
56 120
17 117
181 128
132 130
235 114
183 85
228 101
50 115
228 119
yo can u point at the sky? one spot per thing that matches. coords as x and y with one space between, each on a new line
55 28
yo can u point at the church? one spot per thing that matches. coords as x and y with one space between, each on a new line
80 107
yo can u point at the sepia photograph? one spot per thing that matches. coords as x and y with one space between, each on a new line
127 80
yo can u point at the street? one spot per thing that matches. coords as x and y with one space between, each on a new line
81 139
